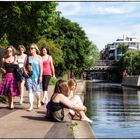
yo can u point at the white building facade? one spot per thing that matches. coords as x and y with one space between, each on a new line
111 51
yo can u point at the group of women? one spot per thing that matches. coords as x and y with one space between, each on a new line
37 69
42 70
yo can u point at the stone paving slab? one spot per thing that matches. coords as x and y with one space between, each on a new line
19 123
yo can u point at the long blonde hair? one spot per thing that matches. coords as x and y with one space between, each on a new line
36 47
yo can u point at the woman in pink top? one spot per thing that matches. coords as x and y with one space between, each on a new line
48 72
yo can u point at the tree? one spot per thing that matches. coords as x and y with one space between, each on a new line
123 48
3 41
131 62
26 21
54 49
78 51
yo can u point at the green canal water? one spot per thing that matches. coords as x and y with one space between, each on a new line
115 110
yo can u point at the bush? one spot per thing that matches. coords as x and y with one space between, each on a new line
3 99
53 81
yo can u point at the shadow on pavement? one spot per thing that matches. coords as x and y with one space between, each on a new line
41 112
43 118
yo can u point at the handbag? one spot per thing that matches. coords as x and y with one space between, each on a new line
19 73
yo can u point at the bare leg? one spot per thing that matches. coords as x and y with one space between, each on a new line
81 115
84 117
11 102
45 98
31 100
38 99
77 100
21 86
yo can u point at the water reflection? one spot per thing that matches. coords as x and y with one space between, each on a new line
115 110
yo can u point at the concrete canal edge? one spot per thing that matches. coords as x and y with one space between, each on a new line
75 129
82 129
131 81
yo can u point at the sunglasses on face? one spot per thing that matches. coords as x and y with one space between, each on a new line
32 48
9 50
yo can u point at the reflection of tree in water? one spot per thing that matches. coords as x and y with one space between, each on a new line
114 101
100 99
88 99
125 103
131 100
114 110
138 96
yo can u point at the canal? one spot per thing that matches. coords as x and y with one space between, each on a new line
115 110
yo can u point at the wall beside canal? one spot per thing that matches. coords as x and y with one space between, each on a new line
132 81
82 129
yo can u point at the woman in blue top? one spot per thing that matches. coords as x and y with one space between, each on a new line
33 83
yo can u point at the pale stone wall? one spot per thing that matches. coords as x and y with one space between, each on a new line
131 81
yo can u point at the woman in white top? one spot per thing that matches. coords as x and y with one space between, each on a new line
72 84
21 58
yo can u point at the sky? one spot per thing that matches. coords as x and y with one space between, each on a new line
104 22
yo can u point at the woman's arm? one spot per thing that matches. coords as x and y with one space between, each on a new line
52 67
15 59
2 68
64 100
41 68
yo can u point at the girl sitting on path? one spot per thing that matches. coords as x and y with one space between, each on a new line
72 84
61 105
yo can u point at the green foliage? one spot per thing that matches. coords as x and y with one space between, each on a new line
53 81
123 48
55 50
131 62
3 41
78 51
25 22
3 99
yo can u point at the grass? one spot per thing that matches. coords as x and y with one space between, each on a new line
71 127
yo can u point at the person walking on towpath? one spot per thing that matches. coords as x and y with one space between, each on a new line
9 84
21 59
48 72
33 85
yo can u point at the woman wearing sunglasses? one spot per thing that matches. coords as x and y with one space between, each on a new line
33 84
9 85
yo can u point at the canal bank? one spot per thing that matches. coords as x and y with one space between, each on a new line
19 123
131 81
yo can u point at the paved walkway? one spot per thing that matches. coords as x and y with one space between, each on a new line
19 123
